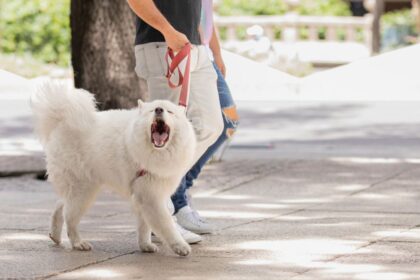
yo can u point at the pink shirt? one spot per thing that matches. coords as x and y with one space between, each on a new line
206 23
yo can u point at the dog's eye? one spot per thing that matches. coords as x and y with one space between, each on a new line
170 112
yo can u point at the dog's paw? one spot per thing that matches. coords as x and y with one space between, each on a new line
181 249
82 246
55 239
148 248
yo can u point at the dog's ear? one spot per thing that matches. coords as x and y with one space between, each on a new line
140 103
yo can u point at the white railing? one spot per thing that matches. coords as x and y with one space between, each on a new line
350 29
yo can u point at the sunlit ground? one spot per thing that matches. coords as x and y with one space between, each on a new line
354 218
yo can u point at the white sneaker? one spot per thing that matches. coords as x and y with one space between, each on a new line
189 237
189 219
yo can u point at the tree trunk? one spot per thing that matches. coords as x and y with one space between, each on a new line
376 25
416 7
102 49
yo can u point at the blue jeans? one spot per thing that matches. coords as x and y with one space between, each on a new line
230 120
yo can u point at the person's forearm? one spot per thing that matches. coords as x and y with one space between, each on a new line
214 43
147 11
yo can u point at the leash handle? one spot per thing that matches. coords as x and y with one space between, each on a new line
184 78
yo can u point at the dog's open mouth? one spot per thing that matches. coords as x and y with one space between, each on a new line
160 133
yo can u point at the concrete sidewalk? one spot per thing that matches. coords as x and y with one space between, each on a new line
307 191
276 219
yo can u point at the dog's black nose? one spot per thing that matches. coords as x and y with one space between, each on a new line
158 111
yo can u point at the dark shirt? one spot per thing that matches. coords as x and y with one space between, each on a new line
183 15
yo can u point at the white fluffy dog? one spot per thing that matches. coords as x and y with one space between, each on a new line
141 153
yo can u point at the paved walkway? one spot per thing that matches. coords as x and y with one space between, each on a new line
276 219
341 204
308 190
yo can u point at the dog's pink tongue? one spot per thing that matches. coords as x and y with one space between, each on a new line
159 139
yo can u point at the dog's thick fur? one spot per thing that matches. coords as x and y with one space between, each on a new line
86 150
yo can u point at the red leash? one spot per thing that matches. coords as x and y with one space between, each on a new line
184 78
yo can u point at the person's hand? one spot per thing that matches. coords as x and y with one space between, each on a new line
220 64
175 40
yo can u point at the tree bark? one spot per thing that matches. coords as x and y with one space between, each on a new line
376 26
102 50
416 7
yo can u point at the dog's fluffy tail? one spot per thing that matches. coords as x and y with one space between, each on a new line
56 103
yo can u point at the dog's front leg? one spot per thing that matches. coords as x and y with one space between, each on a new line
144 232
156 214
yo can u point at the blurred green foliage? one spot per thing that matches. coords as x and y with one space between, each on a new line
38 27
251 7
324 8
398 29
279 7
399 17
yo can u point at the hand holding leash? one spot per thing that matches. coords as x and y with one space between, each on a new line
184 78
176 40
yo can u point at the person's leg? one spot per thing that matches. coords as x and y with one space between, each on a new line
186 216
230 120
179 198
204 105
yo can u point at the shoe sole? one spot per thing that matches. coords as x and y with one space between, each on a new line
200 232
155 239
